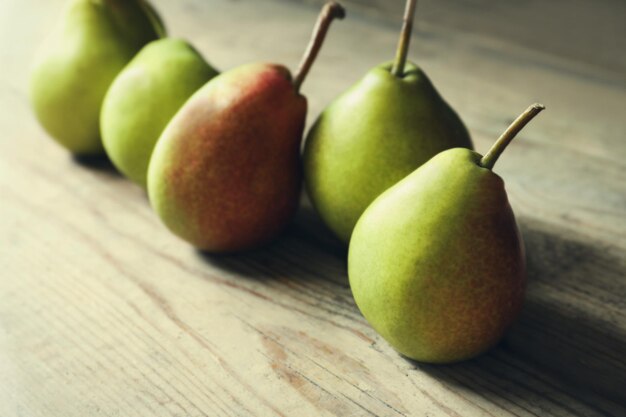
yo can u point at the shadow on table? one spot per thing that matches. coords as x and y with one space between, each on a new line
100 163
566 325
306 250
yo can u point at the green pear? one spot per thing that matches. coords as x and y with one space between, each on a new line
226 173
376 133
436 264
93 42
143 99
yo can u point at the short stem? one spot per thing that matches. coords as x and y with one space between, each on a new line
490 158
405 39
331 10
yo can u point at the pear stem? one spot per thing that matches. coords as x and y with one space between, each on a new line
405 39
490 158
331 10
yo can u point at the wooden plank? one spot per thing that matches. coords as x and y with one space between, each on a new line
102 312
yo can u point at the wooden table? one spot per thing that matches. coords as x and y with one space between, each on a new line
104 313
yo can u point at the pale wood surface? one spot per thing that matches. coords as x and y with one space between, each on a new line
104 313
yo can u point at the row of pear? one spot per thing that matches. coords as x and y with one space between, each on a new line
436 262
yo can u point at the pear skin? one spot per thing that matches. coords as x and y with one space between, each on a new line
225 175
371 137
436 263
92 44
143 99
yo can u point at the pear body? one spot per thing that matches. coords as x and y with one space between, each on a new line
371 137
93 42
436 263
226 173
143 99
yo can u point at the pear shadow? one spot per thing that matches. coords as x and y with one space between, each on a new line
304 251
308 226
566 327
99 163
576 290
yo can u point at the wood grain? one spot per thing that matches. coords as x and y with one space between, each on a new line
103 313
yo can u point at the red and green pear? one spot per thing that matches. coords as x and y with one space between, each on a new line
226 173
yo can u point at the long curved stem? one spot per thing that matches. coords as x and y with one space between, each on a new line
490 158
405 39
331 10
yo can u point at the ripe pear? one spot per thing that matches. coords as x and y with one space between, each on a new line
143 99
436 264
93 42
376 133
226 173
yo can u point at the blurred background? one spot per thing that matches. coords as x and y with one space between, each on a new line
585 31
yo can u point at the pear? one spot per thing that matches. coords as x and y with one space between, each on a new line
436 264
143 99
376 133
226 173
94 41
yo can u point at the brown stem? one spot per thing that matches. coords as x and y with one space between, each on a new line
405 39
490 158
331 10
